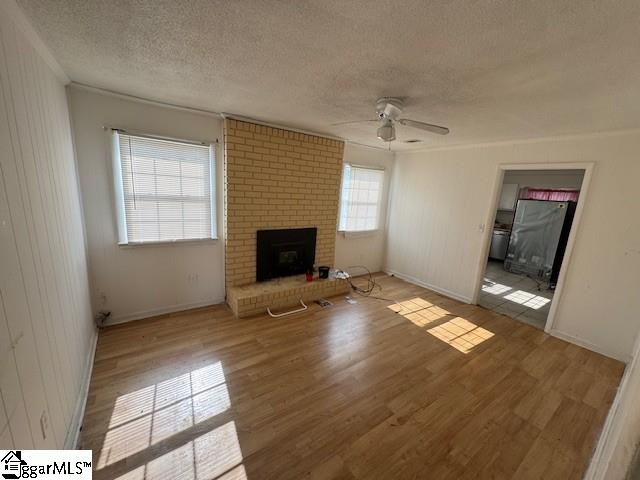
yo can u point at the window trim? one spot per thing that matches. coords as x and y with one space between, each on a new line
371 231
168 243
121 222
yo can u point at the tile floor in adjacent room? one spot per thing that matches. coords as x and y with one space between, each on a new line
514 295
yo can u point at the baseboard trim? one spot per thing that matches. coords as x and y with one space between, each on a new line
435 288
588 345
129 317
73 433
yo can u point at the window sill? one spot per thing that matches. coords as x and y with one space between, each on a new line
169 243
358 233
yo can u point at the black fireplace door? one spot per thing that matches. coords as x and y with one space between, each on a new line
281 253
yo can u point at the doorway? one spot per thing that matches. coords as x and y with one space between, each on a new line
529 240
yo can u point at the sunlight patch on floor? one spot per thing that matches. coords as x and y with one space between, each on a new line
461 334
237 473
458 332
495 288
410 306
419 311
214 455
217 451
135 474
527 299
427 315
157 412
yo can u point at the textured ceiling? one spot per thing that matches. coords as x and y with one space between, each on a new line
489 70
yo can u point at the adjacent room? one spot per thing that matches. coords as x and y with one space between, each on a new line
533 222
320 240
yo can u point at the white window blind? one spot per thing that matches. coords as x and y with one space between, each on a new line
360 199
164 189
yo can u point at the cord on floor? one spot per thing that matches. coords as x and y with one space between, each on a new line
371 285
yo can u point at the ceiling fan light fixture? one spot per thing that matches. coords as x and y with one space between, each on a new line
387 132
388 111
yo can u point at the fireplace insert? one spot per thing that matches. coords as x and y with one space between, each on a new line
281 253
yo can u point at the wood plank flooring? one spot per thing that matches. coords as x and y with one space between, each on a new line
427 388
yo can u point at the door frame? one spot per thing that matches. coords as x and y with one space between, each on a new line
491 215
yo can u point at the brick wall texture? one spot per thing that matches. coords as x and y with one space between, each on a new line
277 178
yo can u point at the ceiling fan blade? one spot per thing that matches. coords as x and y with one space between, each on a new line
353 121
424 126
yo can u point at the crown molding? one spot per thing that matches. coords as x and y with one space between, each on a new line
134 98
524 141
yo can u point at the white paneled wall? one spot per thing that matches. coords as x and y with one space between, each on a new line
47 334
440 198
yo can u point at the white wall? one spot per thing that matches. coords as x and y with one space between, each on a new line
47 334
139 281
439 198
620 437
366 248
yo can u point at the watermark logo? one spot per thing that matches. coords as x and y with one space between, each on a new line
45 464
12 462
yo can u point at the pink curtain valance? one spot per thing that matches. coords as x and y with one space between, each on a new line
559 195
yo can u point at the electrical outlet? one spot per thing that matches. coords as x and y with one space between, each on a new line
44 424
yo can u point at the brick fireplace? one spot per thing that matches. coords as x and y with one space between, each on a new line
276 179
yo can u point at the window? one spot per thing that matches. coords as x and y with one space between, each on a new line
164 189
360 199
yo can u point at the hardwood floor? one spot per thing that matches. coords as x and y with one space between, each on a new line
431 388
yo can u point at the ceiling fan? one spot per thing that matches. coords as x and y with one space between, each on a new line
388 110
